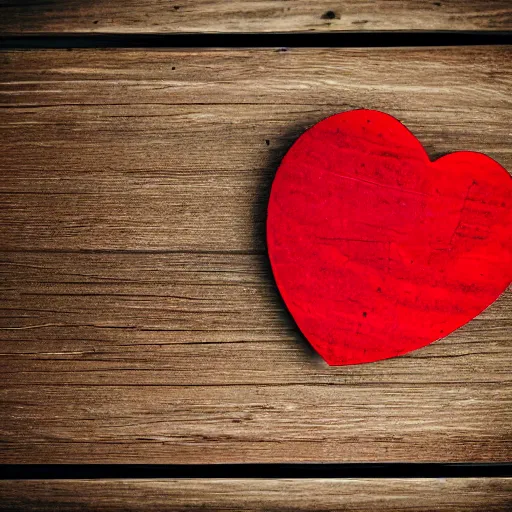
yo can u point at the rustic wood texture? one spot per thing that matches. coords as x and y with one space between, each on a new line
140 322
136 16
353 495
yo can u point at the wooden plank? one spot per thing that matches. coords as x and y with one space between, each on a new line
176 150
136 16
350 495
109 357
139 319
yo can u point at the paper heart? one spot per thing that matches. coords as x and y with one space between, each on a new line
375 249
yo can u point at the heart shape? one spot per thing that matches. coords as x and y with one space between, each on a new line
376 250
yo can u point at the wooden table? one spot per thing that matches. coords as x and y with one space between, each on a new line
139 319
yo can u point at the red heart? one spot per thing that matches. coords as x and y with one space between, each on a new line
375 249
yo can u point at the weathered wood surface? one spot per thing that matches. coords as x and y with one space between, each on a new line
353 495
176 150
136 16
140 322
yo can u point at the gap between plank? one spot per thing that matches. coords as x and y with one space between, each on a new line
43 250
280 41
266 471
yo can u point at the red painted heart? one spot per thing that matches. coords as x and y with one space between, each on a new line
375 249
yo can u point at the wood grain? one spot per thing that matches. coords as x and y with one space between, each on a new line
442 495
140 322
176 150
136 16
